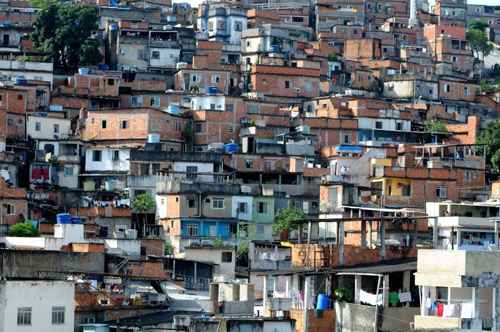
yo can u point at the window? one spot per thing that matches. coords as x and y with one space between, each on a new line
441 192
191 203
215 79
57 315
191 172
198 127
155 55
116 155
454 59
399 126
237 26
19 97
212 106
194 78
287 84
111 81
192 229
68 171
210 26
447 88
104 124
218 203
248 163
297 19
262 207
24 316
242 207
96 155
124 124
227 257
136 101
347 139
155 101
56 128
9 209
379 125
466 91
38 126
230 107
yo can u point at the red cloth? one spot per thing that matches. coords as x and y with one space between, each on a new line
440 308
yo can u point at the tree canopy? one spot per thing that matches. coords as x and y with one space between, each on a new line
23 230
64 31
477 25
143 203
491 138
285 219
479 43
434 126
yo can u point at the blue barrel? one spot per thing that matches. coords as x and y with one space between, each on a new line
323 302
63 218
231 148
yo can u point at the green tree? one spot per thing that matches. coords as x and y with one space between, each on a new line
23 230
490 137
143 204
286 219
434 126
90 54
64 32
477 25
479 43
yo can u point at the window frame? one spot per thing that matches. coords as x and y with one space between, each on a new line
58 315
215 204
24 315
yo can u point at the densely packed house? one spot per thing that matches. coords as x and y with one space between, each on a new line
257 165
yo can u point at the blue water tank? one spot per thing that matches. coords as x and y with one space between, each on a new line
83 71
63 218
76 220
174 109
231 148
323 302
21 80
212 90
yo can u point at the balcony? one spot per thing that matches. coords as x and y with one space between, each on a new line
208 242
69 159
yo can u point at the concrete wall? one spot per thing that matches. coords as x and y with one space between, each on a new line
214 255
168 57
36 264
247 215
41 297
354 317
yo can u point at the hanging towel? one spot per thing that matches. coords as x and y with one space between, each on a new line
467 310
440 308
393 298
451 310
405 297
428 303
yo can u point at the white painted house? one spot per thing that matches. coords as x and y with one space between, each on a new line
107 159
44 127
242 207
37 306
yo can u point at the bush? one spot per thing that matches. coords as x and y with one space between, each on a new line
23 230
286 219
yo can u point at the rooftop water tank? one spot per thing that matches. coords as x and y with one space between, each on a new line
21 80
153 138
231 148
83 71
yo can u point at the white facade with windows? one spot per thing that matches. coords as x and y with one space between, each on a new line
37 306
164 57
42 127
107 159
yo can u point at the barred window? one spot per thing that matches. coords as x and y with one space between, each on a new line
57 315
24 316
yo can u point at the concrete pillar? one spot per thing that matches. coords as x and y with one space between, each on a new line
476 303
406 281
287 285
370 230
424 295
497 245
265 300
195 274
435 233
381 235
363 233
385 286
357 288
307 304
173 269
341 237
